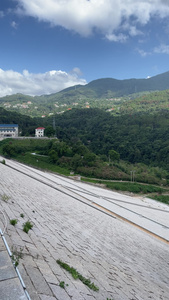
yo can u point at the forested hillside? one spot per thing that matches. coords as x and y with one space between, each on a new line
26 124
117 96
137 138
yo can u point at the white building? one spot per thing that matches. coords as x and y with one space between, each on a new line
39 132
8 131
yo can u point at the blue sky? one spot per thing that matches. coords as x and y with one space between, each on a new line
46 46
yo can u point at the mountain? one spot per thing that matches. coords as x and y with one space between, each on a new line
102 93
104 87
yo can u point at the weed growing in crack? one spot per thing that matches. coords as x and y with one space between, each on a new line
62 284
77 275
27 226
22 215
5 198
16 255
13 222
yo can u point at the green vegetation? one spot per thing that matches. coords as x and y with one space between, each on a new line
134 187
62 284
16 256
61 157
27 226
13 222
127 186
76 275
22 215
161 198
93 143
26 124
107 94
5 197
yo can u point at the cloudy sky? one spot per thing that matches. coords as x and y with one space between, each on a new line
46 46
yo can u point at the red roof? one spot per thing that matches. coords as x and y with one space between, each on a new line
40 128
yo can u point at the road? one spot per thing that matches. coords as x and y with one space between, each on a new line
120 242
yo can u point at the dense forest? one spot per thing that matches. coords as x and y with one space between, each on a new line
136 138
26 124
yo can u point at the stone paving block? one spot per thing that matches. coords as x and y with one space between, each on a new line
59 292
38 280
44 297
71 289
16 240
25 236
32 250
11 289
2 246
6 268
46 271
28 283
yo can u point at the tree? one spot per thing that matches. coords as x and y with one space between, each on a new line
76 161
114 155
49 131
53 156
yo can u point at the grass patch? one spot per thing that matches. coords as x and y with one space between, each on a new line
42 162
27 226
13 222
134 187
5 197
161 198
76 275
128 186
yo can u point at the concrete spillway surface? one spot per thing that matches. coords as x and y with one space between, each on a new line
86 227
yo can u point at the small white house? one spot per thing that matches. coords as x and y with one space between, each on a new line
8 131
39 132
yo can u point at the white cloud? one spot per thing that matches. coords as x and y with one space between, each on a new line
163 49
105 16
1 14
12 82
116 38
142 52
14 24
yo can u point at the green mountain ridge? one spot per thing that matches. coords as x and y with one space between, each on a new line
105 93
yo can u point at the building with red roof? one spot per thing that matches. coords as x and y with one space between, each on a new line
39 132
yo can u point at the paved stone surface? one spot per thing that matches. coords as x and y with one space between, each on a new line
10 285
125 262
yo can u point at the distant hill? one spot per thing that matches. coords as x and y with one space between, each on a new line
104 93
102 88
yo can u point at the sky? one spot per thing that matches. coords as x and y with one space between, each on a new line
46 46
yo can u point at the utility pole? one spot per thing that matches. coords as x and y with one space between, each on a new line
132 176
54 124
